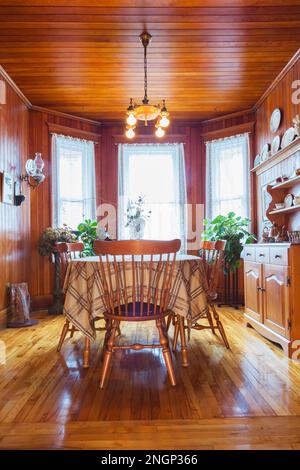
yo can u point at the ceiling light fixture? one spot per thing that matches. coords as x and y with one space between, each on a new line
146 112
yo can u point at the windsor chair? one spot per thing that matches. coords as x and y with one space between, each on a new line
135 279
67 252
212 255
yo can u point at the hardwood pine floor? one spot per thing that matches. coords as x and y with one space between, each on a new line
247 397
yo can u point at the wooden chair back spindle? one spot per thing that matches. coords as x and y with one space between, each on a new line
135 282
67 252
136 277
212 254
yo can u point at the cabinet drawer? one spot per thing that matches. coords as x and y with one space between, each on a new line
279 255
262 255
248 253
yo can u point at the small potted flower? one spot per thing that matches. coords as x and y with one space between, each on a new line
47 247
137 217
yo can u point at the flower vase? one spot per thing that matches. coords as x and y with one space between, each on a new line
137 230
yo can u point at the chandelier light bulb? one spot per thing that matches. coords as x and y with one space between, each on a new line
159 132
130 133
164 122
131 120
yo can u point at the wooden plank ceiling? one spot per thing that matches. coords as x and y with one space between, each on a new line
207 57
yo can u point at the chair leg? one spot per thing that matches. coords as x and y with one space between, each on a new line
163 338
72 331
184 353
176 334
108 352
169 320
220 327
86 353
108 326
63 334
211 323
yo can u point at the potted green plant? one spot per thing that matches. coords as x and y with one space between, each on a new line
233 229
89 231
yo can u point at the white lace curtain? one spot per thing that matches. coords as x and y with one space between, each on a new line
73 181
227 176
156 171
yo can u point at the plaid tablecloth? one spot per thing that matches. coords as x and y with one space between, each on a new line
83 299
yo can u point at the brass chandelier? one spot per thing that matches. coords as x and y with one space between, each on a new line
145 111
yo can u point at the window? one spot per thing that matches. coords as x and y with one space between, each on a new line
156 172
73 181
227 176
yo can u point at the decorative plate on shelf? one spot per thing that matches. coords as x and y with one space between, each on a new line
275 120
288 200
257 160
288 137
275 146
265 152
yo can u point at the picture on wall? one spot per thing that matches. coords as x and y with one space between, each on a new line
7 184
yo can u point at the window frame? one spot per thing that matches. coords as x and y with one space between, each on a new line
87 148
140 147
245 197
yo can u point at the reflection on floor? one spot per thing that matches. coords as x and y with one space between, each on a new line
211 406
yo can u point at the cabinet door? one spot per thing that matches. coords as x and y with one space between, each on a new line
276 298
253 294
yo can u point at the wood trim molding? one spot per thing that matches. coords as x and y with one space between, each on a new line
41 109
281 155
279 77
228 116
16 89
72 132
41 302
229 131
150 139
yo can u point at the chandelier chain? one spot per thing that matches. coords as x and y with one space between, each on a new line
145 111
145 100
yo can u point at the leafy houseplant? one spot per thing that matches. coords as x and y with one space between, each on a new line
233 229
89 231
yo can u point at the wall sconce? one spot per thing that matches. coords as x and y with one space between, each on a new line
34 171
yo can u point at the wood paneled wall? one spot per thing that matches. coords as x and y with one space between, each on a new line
187 133
107 172
14 221
279 96
215 129
41 124
25 132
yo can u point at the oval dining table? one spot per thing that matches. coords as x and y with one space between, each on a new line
84 303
